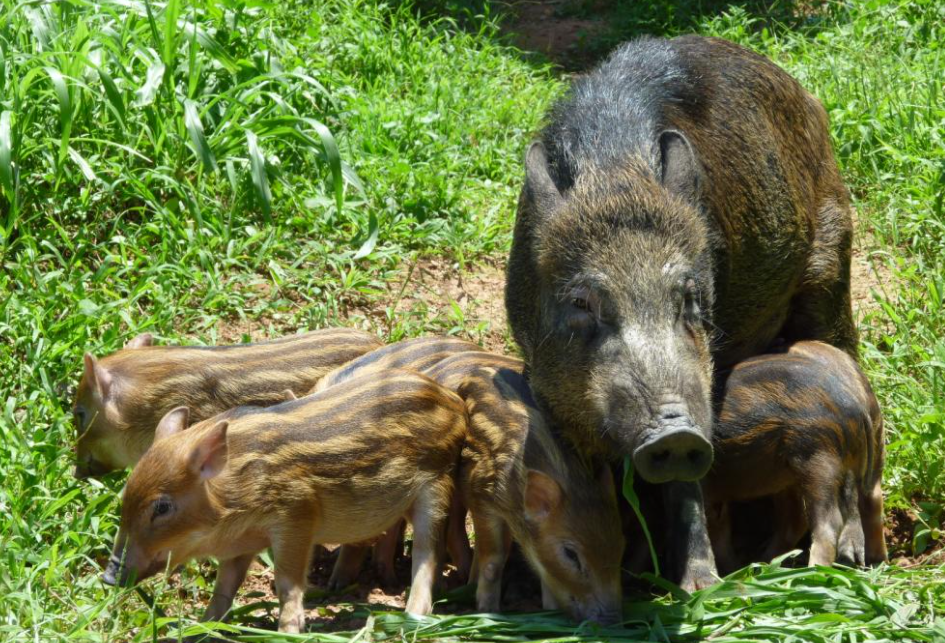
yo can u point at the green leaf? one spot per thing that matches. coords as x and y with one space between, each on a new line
112 94
631 495
197 137
334 160
368 246
257 164
6 155
83 165
144 96
171 13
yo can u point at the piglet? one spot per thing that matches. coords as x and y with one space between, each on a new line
339 466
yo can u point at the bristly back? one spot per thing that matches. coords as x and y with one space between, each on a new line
617 111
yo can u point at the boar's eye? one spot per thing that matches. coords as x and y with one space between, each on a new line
691 310
161 507
572 557
78 414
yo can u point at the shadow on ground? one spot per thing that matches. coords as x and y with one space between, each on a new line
575 34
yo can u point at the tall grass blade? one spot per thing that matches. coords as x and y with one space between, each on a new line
6 155
197 137
144 96
631 496
257 164
368 246
334 160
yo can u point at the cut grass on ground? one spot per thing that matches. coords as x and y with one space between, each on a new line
226 169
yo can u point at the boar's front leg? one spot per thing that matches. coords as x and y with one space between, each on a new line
230 576
689 555
291 552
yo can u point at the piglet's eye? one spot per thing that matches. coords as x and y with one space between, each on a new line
161 507
572 556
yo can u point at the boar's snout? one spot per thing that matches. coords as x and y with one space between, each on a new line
676 450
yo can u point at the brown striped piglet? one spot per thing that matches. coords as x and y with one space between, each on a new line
335 467
122 397
804 427
521 482
415 355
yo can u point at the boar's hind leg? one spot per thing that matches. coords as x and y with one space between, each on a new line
347 566
821 309
493 544
230 576
291 552
428 519
691 562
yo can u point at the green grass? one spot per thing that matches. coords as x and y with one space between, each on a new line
273 166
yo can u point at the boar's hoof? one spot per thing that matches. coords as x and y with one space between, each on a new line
682 454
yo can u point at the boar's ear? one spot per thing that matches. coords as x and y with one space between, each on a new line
679 169
142 340
542 495
538 181
174 421
98 375
210 453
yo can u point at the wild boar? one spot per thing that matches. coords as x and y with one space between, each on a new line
335 467
681 210
520 482
804 426
122 397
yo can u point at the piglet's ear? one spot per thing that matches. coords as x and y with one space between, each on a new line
174 421
97 375
142 340
289 395
605 478
209 455
542 495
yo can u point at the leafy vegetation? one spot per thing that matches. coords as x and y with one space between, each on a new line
223 168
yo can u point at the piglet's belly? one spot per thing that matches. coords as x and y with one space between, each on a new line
343 520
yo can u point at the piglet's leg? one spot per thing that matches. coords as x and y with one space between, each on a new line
457 541
790 524
821 495
719 520
291 551
492 550
347 566
851 546
385 554
230 576
427 516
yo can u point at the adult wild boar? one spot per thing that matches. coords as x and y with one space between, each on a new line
681 210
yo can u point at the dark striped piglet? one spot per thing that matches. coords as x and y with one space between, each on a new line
803 426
